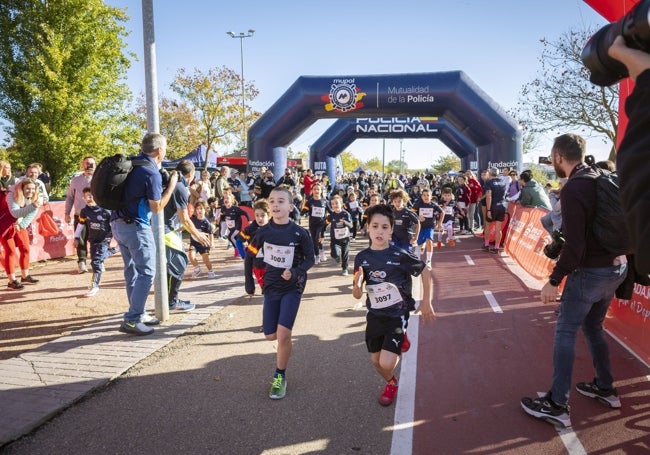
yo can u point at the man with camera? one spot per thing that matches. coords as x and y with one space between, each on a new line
633 156
592 276
75 198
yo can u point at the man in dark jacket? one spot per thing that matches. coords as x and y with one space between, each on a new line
592 276
633 159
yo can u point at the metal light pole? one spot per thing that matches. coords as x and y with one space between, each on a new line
241 37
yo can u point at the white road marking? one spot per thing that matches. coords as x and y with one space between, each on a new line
469 260
569 437
493 302
402 443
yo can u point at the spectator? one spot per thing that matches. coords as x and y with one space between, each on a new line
236 185
131 228
514 186
23 203
7 179
75 199
592 276
177 219
33 171
246 194
634 152
552 221
475 194
532 193
221 182
287 179
266 184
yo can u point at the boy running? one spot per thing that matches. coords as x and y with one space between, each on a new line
429 215
407 224
202 224
288 253
387 272
449 209
96 220
340 224
254 267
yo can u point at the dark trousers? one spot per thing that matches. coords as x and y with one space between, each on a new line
341 249
82 250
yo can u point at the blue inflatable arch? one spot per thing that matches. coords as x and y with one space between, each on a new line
451 96
343 132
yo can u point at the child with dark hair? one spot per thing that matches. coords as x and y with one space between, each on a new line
201 223
254 267
387 272
449 210
429 215
96 221
231 215
340 223
407 224
317 208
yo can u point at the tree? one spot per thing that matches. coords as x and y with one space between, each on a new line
395 166
446 163
561 97
350 163
373 164
215 97
62 90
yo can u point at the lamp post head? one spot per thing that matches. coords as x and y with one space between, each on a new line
251 31
232 35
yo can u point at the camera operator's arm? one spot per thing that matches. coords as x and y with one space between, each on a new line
635 60
634 153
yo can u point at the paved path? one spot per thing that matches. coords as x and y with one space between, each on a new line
207 391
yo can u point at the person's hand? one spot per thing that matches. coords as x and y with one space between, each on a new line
286 274
173 178
68 219
549 293
203 239
636 61
425 310
38 202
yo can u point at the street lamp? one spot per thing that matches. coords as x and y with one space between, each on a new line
241 37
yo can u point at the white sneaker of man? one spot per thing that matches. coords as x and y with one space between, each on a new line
211 274
82 267
197 272
92 291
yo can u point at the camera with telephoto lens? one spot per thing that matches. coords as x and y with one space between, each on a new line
635 28
553 249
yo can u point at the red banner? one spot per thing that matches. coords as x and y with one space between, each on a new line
627 320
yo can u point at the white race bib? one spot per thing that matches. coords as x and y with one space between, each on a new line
353 205
230 224
278 255
426 212
341 233
448 210
318 212
383 295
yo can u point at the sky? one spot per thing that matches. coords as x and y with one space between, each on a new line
495 42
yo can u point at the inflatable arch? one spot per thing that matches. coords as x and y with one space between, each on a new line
451 96
345 131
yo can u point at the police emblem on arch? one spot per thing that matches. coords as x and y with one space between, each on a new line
344 96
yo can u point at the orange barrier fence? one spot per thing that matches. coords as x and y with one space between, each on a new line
627 320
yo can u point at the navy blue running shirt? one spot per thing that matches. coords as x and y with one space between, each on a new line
391 265
283 246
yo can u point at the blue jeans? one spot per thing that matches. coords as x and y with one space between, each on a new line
138 250
585 300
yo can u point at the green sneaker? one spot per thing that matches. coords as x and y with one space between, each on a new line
278 387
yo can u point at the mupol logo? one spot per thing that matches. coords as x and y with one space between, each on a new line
344 96
397 125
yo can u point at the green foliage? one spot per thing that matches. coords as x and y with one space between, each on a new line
373 164
215 98
350 163
62 93
395 166
446 163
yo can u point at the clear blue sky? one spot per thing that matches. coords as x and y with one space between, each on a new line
496 43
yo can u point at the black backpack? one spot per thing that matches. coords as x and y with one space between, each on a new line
608 227
109 180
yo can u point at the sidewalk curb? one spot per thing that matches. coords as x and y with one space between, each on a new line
41 383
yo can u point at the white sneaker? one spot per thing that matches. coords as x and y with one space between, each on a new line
428 263
316 260
146 319
92 291
197 272
323 256
211 274
82 267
